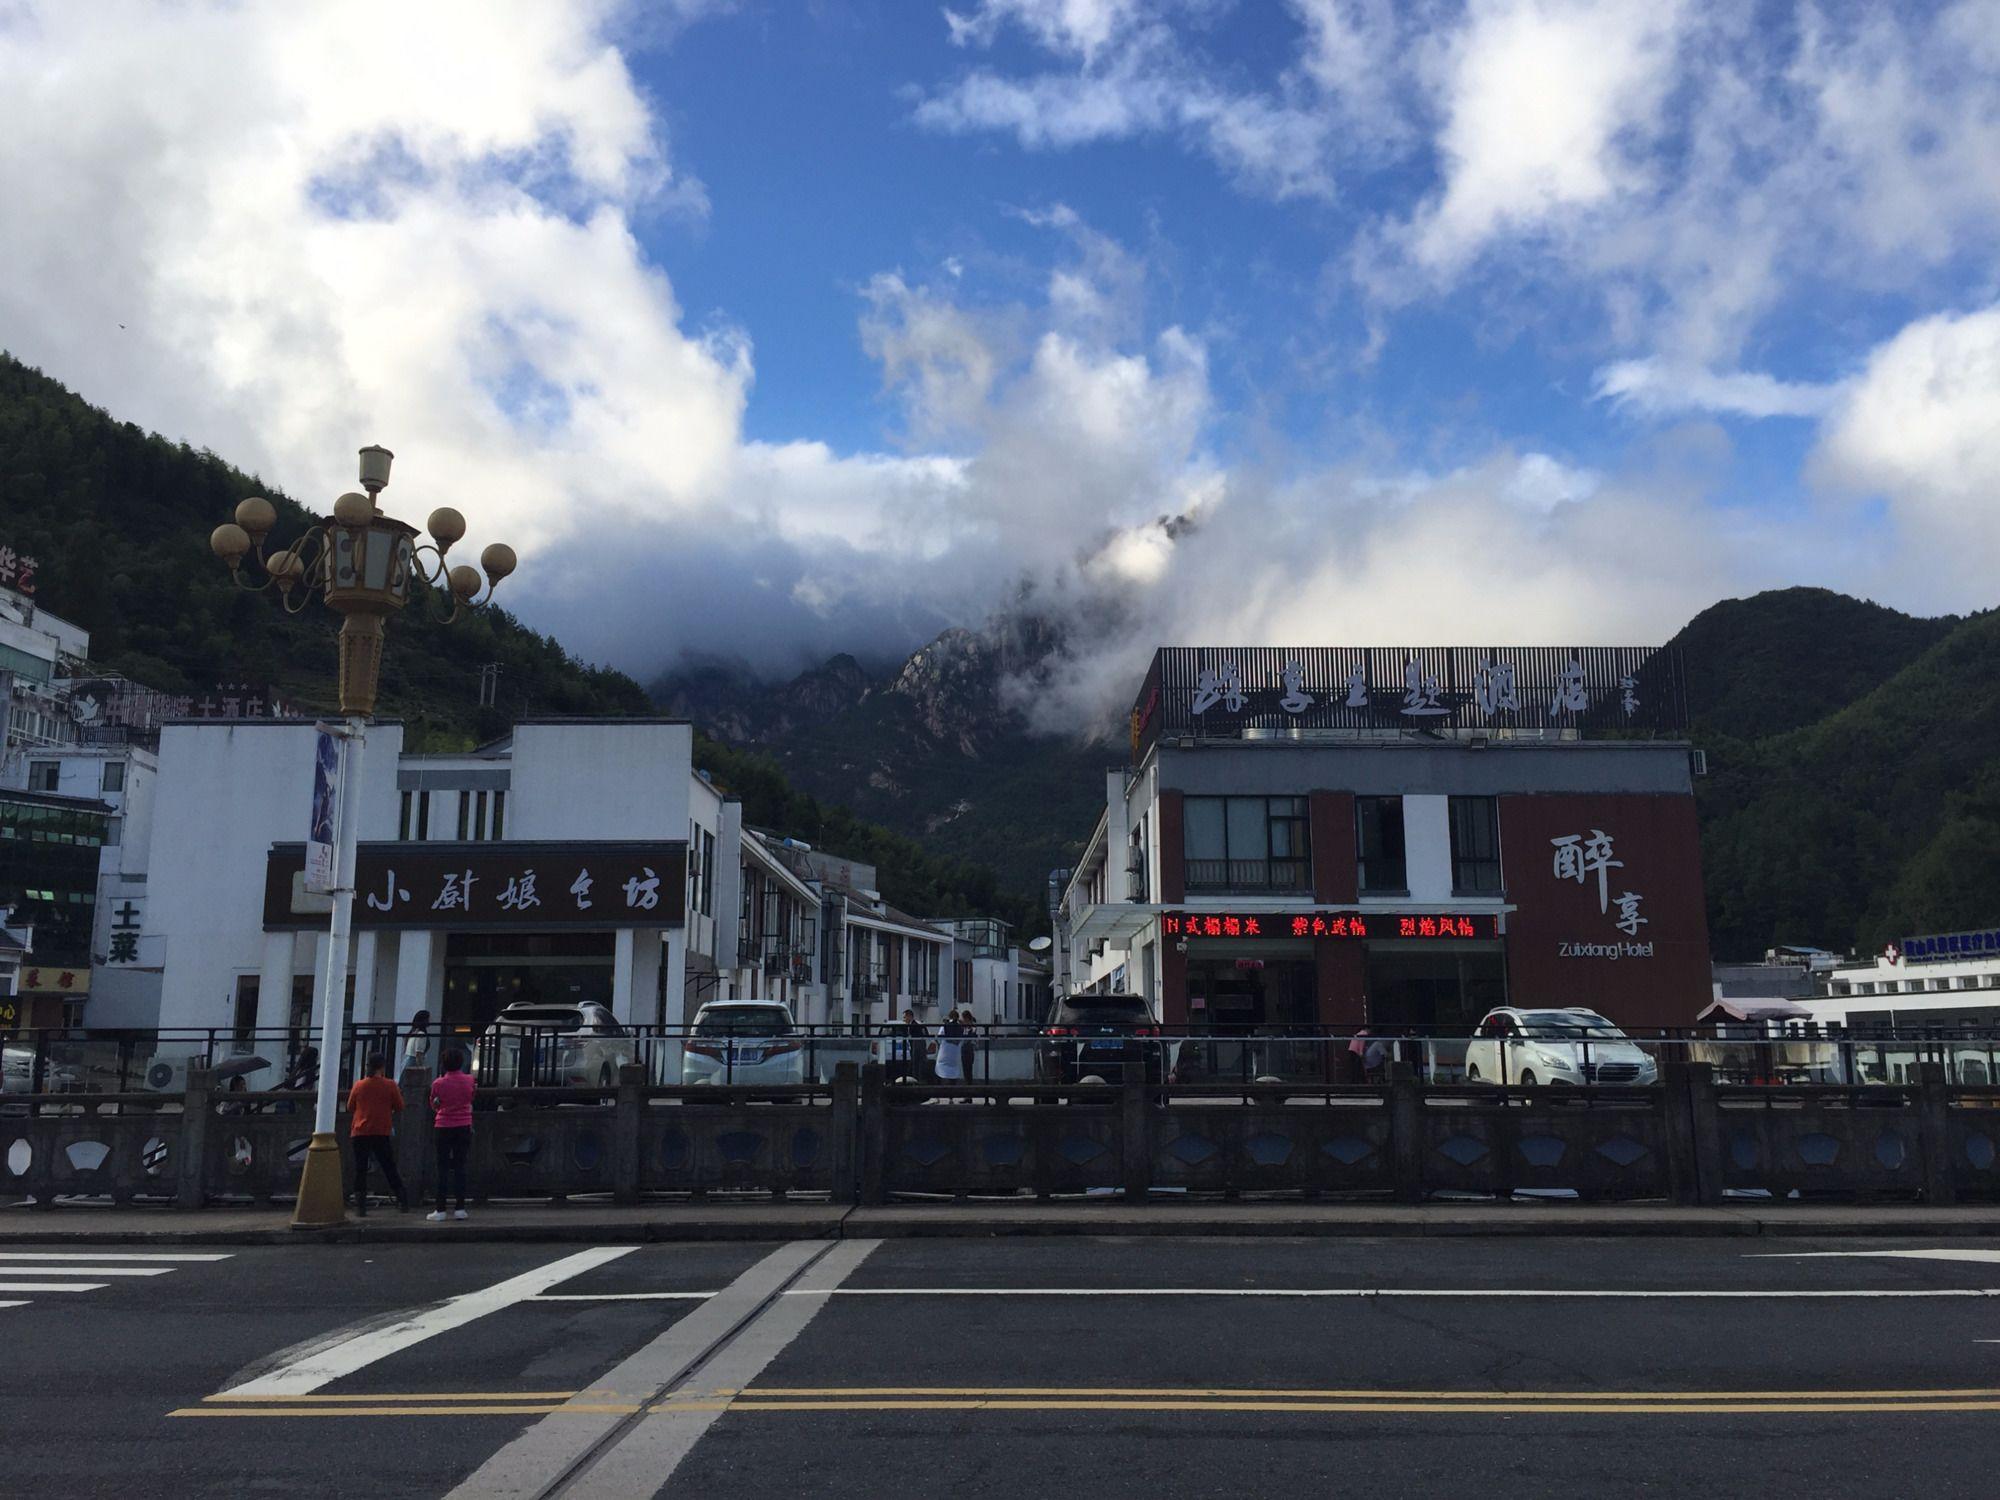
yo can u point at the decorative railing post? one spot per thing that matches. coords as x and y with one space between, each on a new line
844 1135
874 1134
628 1116
1406 1133
1135 1136
1678 1125
1706 1125
1934 1130
197 1110
415 1155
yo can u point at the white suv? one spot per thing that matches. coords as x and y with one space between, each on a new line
537 1044
1555 1046
744 1041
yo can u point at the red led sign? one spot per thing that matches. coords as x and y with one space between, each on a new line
1324 924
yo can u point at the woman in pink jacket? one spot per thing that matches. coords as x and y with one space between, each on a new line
451 1097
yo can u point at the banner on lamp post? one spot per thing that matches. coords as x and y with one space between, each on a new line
320 863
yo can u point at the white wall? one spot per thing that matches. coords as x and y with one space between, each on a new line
226 793
601 781
1427 847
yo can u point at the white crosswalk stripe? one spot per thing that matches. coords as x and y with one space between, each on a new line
83 1271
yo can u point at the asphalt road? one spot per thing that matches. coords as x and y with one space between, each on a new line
1112 1367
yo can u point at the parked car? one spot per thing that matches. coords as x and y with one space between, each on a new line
1087 1036
744 1041
1570 1046
17 1072
536 1044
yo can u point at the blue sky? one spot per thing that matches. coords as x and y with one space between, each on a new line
1267 320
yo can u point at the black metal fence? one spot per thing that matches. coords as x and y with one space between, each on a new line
867 1139
257 1063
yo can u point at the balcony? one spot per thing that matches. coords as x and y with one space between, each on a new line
1291 876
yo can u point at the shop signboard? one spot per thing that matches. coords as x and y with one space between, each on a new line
1349 925
504 886
1224 692
1946 946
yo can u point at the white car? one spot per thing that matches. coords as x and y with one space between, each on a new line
553 1046
1571 1046
744 1041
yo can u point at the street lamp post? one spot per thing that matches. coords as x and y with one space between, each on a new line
363 565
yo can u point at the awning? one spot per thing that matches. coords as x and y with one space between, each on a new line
1754 1010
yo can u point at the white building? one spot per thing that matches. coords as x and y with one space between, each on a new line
1002 982
778 954
1949 981
573 859
38 650
124 989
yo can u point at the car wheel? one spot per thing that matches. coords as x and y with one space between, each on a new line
606 1076
1528 1079
1472 1072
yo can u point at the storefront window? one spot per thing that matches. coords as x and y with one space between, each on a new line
1475 847
1378 829
1247 844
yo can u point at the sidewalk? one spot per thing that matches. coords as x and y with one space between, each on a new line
689 1222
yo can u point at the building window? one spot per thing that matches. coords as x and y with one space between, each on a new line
707 873
464 814
1247 844
479 816
423 816
43 775
499 815
114 776
1378 833
1475 846
403 819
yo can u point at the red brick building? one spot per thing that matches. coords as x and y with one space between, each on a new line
1401 839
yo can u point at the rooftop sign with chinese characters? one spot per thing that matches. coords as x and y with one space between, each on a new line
491 886
16 571
1205 692
1944 947
1326 924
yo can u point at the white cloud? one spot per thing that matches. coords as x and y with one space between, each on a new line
1651 388
1538 98
1918 428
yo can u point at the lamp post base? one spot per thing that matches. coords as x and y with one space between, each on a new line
322 1197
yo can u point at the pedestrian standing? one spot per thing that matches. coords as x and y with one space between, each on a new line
418 1048
967 1052
950 1051
373 1104
906 1048
451 1098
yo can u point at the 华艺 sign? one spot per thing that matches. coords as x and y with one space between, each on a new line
493 886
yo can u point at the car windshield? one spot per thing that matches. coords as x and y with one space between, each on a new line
743 1020
1105 1010
1569 1023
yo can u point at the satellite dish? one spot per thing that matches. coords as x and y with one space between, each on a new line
1041 945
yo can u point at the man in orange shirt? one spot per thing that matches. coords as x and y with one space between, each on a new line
374 1102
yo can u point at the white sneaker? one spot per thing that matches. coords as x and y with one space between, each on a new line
436 1217
458 1213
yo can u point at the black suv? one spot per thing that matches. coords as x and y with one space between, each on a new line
1089 1036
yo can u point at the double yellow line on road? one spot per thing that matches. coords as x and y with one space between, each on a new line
1105 1398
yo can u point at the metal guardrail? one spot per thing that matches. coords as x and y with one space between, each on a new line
868 1139
109 1062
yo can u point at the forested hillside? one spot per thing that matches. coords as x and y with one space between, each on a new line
119 518
1854 794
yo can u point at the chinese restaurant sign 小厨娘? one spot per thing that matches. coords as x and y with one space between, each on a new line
492 886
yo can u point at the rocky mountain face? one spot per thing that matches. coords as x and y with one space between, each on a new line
931 748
